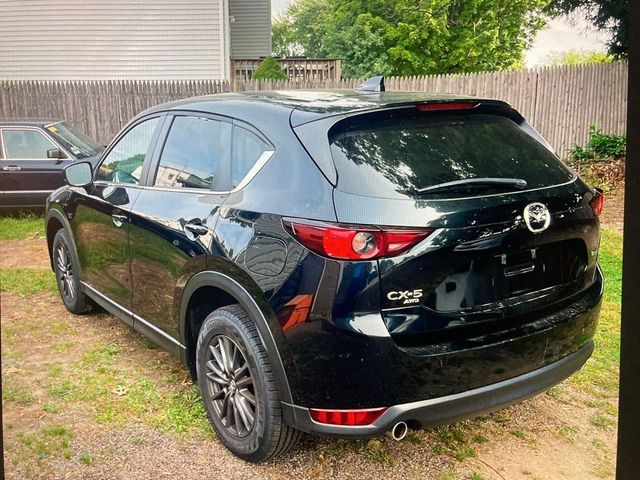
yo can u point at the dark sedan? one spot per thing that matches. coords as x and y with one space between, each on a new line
33 155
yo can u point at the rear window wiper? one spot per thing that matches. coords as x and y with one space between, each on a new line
475 184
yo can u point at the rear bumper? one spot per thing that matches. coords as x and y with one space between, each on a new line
450 408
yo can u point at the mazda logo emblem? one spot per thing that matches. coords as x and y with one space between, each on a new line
537 217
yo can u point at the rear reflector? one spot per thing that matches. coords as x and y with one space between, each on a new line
347 417
597 202
354 242
429 107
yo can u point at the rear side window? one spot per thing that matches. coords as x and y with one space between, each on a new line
396 155
247 149
26 144
124 162
194 154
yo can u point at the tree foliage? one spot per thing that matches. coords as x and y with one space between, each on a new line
408 37
269 70
575 57
612 15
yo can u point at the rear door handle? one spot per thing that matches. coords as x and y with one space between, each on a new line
119 219
196 229
11 168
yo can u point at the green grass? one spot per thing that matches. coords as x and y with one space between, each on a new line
602 420
600 376
63 346
51 408
52 440
63 389
115 395
376 452
19 228
26 281
568 432
611 263
457 440
20 395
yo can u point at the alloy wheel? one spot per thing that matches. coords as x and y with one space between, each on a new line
231 386
64 272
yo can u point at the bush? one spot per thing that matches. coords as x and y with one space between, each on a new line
269 70
600 146
601 161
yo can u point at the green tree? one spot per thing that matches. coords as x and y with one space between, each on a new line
269 70
611 15
405 37
575 57
284 41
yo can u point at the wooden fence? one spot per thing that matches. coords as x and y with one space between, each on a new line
560 102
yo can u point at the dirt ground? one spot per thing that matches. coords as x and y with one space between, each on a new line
613 215
53 428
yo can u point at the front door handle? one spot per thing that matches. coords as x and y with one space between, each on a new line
11 168
196 229
118 219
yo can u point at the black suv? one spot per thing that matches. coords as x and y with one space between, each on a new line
338 263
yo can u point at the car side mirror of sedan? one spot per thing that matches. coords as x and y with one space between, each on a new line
55 153
79 174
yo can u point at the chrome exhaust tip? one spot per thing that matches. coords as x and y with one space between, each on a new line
398 432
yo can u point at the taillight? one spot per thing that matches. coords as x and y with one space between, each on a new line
354 242
361 417
429 107
597 202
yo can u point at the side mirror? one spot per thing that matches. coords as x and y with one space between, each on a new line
55 153
79 174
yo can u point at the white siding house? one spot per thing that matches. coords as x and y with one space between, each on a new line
129 39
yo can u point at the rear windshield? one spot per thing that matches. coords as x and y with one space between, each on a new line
398 154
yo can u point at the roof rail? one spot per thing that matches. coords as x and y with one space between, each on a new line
373 84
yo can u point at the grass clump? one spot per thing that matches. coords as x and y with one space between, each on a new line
375 451
26 281
568 432
22 227
52 440
457 441
20 395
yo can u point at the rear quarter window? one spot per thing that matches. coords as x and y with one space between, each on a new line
247 149
394 155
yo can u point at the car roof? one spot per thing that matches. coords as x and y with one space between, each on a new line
28 122
301 106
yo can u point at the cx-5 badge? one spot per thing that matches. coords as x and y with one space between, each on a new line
409 296
537 217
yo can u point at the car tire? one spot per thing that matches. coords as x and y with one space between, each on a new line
67 271
247 416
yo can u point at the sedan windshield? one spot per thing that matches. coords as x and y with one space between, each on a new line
74 141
